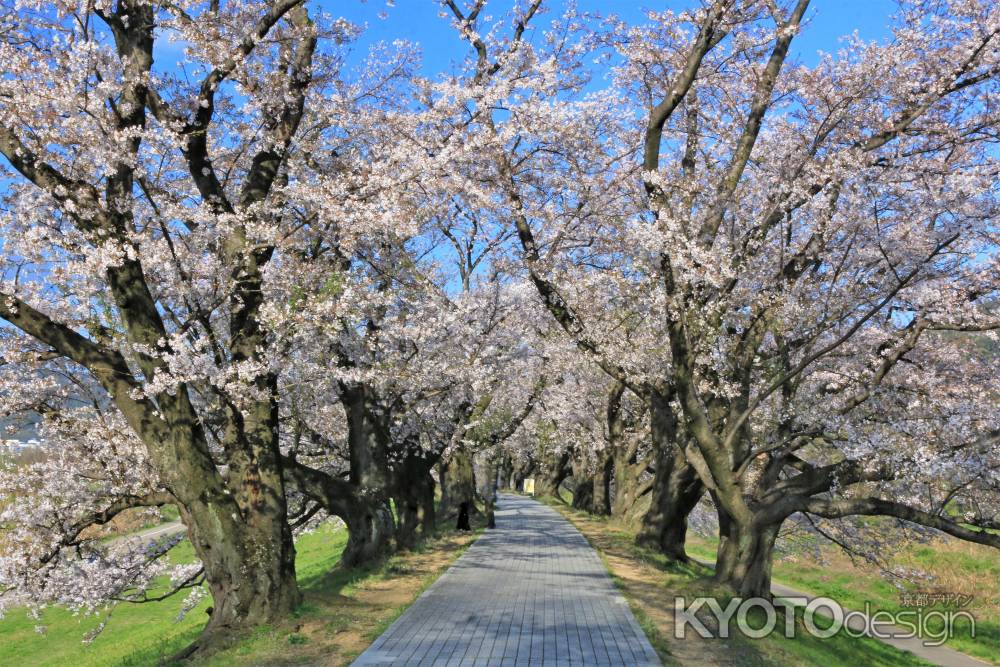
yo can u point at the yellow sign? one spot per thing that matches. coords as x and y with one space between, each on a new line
529 486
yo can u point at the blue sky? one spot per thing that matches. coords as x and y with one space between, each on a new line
418 21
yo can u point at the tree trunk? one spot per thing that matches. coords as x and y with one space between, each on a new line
552 472
238 526
676 491
601 484
237 523
251 578
458 482
583 493
489 489
488 486
745 555
591 492
676 485
628 485
505 472
491 517
621 464
370 520
370 529
414 498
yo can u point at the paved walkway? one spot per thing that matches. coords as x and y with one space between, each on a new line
531 592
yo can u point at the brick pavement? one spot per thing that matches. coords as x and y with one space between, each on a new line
531 592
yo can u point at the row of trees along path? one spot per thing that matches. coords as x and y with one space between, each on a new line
665 257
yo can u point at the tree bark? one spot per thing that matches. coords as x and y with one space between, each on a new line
250 574
489 489
552 472
628 485
414 498
622 465
238 527
458 482
676 486
676 491
745 555
592 479
583 493
370 520
370 529
488 486
505 472
601 483
237 522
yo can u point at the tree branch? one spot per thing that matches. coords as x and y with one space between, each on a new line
751 130
102 517
835 509
708 38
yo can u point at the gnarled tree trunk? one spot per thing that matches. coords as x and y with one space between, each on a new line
745 555
238 526
631 482
602 486
458 483
370 520
593 484
488 485
583 493
414 498
552 471
370 528
250 570
623 471
676 486
676 491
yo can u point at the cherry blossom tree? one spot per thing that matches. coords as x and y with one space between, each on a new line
840 210
559 160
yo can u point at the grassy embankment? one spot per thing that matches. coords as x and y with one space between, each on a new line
957 567
343 611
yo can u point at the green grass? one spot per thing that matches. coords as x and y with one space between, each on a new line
147 634
138 634
969 566
169 513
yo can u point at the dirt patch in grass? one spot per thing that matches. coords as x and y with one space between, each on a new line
371 605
